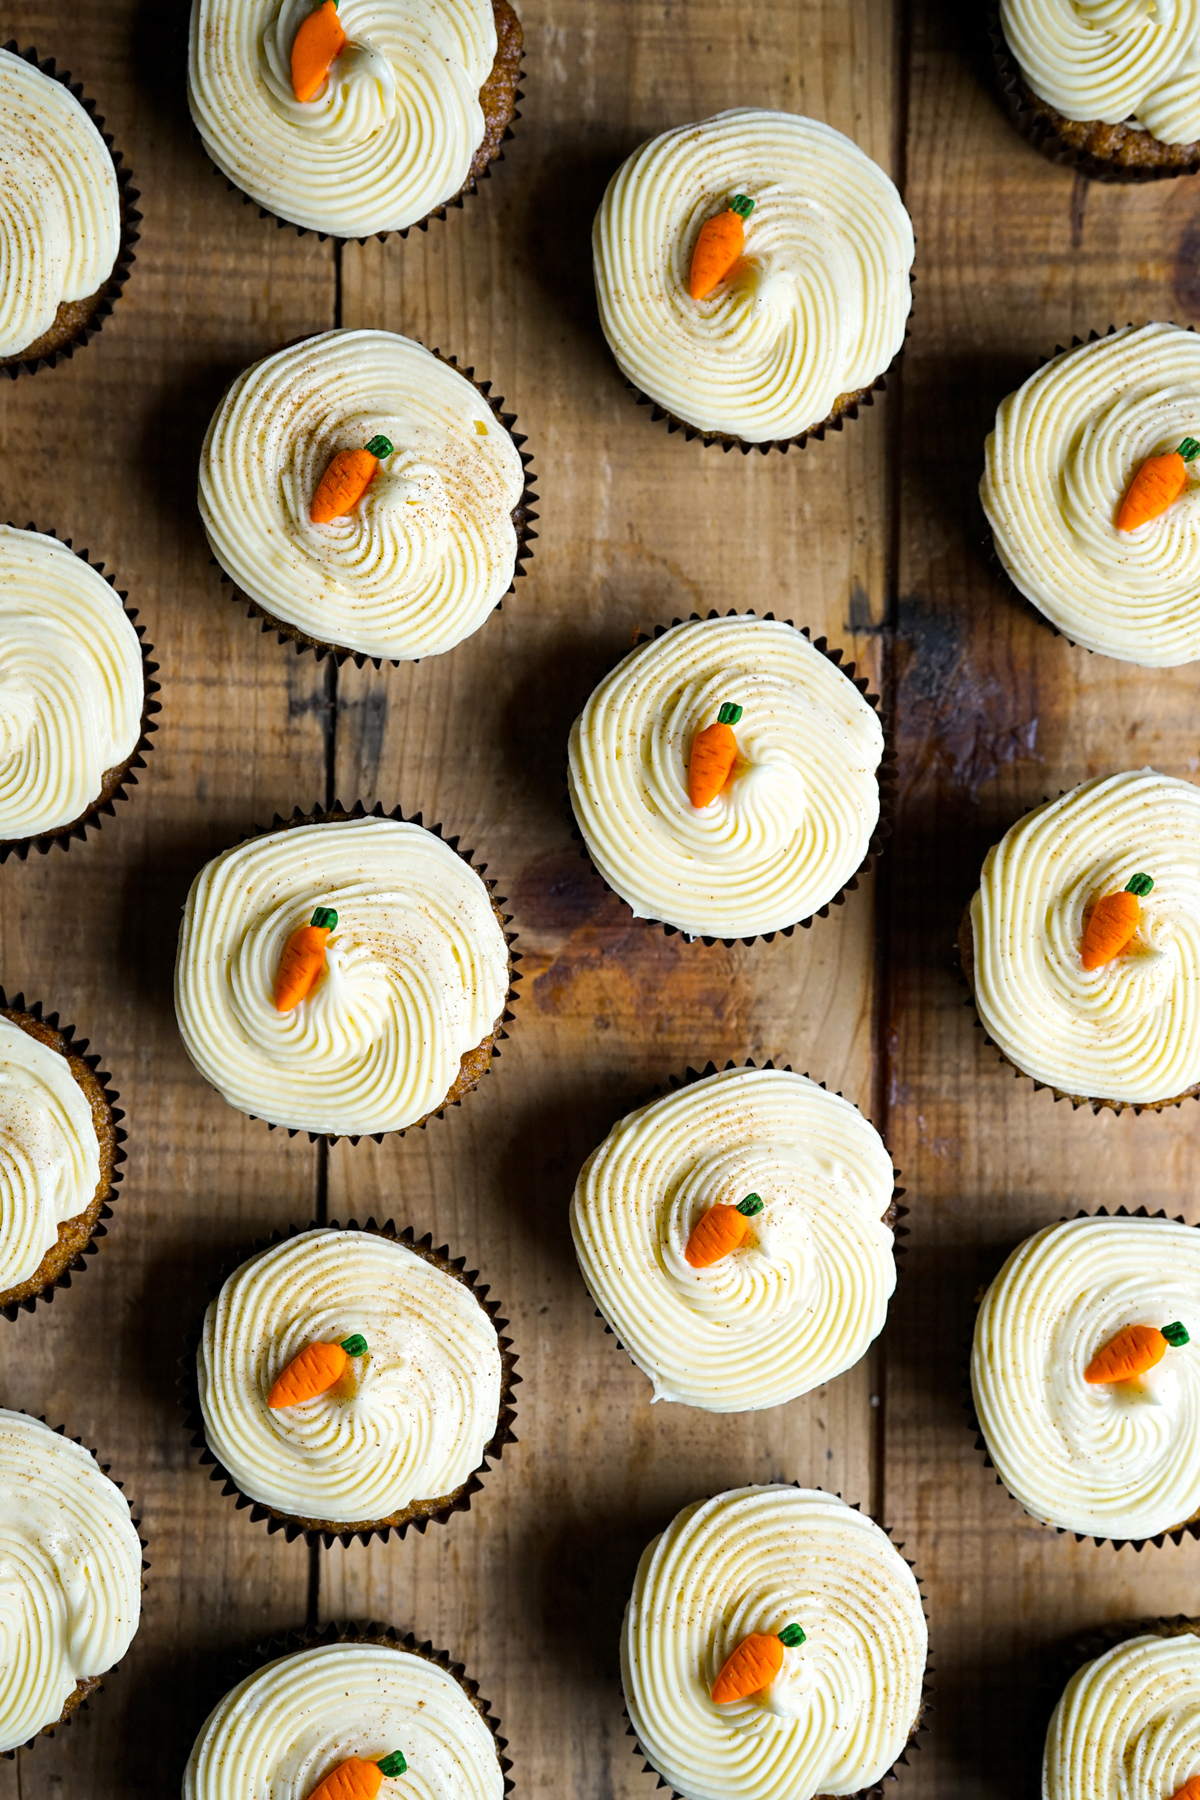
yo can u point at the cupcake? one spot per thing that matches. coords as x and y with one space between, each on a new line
356 121
1086 1385
724 777
1080 945
1111 90
343 975
59 1151
736 1236
752 273
352 1381
794 1591
365 496
74 694
72 1574
395 1718
65 224
1129 1721
1092 492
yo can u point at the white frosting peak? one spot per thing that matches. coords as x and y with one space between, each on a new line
1119 1460
70 1574
818 305
60 213
49 1156
806 1294
758 1559
1128 1724
1113 60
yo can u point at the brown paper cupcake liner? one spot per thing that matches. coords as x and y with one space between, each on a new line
675 1084
45 1290
88 1685
1099 151
508 68
886 775
440 1508
1190 1527
469 1077
919 1727
119 780
523 517
31 359
351 1632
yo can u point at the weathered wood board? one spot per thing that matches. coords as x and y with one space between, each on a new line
873 537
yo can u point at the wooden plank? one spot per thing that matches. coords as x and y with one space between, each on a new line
105 450
994 713
529 1587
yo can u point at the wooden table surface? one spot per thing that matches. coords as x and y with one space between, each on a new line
874 537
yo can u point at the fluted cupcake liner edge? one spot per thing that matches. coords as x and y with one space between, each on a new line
92 818
886 776
87 1686
112 288
1190 1527
522 516
1040 124
73 1046
293 1525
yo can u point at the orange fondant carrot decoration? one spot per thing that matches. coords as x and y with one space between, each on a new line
754 1664
317 1368
346 480
1132 1351
318 42
358 1779
1189 1791
303 960
714 752
720 1230
1115 918
1157 485
718 247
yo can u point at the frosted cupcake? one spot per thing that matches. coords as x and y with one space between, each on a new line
1092 490
346 977
349 1381
1081 943
1114 90
1129 1721
795 1592
752 273
72 1562
73 693
59 1150
60 216
365 496
354 120
1085 1380
724 778
736 1236
392 1718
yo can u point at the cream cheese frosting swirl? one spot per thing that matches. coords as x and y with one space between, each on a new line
816 308
1065 448
60 210
71 684
70 1574
757 1559
49 1156
425 556
283 1729
1120 1460
409 1420
794 822
795 1305
385 141
416 976
1128 1725
1129 1030
1112 60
